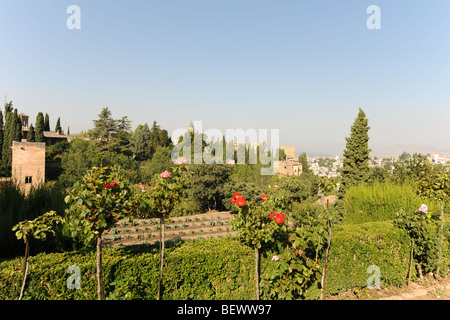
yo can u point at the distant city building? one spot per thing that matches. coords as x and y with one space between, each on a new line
437 158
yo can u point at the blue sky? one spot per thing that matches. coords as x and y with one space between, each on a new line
304 67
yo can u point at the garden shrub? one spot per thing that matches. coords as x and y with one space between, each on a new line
211 269
202 269
381 201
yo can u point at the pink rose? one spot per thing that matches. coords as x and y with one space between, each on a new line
423 208
165 174
181 160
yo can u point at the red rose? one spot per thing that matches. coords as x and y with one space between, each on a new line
240 201
107 185
114 184
279 218
273 214
233 198
264 197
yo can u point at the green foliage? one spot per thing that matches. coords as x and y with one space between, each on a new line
46 123
356 153
31 134
37 228
421 228
39 128
297 268
407 168
208 184
58 126
379 201
303 159
219 272
100 199
16 207
11 132
433 183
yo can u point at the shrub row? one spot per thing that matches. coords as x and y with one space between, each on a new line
207 269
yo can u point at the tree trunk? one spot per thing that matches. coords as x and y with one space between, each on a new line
161 253
324 272
25 268
411 261
257 272
442 237
99 267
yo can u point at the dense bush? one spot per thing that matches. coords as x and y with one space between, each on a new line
203 269
209 269
381 201
355 247
16 207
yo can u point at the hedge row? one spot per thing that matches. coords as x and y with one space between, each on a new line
207 269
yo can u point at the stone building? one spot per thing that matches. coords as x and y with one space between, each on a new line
290 166
28 164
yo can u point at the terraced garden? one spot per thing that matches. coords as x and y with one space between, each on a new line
146 231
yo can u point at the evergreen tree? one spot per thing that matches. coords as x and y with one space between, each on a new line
17 131
303 159
58 126
1 136
140 140
104 128
7 142
356 154
46 123
31 134
39 129
12 132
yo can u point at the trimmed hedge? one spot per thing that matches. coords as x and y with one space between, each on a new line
355 247
202 269
208 269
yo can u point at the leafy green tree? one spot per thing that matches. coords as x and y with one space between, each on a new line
158 137
420 228
31 134
140 141
96 203
46 123
356 154
434 184
38 229
258 223
208 184
303 159
160 162
166 194
39 129
76 160
408 167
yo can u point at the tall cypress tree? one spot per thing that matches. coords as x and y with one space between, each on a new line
39 128
12 132
356 154
1 137
30 134
58 126
7 142
46 123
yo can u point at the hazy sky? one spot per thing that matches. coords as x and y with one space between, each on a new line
304 67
